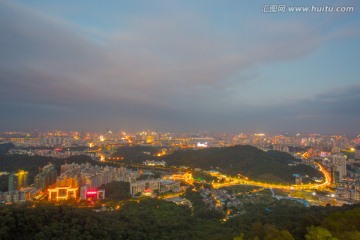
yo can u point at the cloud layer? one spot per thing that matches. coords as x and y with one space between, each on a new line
170 71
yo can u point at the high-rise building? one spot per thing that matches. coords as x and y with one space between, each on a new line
12 182
46 177
18 180
22 179
338 161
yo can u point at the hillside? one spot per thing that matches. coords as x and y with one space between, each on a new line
4 147
246 160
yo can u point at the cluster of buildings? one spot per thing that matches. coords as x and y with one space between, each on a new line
150 187
300 145
54 152
154 163
179 201
18 188
348 191
46 177
284 142
84 180
337 165
21 195
217 199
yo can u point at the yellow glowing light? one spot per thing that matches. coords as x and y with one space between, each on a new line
102 138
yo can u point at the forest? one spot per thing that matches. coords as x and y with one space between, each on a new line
271 166
158 219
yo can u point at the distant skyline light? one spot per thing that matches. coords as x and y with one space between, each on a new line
179 66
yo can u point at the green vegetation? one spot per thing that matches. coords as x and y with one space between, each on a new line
241 189
200 209
117 191
148 219
203 176
344 225
269 166
137 154
298 220
157 219
50 222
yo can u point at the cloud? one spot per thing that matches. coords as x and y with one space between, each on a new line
175 67
335 111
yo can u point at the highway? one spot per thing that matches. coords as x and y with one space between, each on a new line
231 181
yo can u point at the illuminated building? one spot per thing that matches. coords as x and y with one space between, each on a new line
348 190
64 180
186 177
202 145
102 139
154 163
62 193
18 180
144 186
168 185
95 194
149 139
182 176
22 179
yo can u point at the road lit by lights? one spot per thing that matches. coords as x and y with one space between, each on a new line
230 181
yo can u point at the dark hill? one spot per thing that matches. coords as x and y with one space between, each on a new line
246 160
5 147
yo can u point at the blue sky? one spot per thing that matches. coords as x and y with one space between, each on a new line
179 66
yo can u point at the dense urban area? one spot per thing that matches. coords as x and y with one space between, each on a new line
153 185
179 120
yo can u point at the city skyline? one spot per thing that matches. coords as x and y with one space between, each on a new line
179 66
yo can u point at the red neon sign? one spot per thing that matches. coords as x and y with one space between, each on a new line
91 193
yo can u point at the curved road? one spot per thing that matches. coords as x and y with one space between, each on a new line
230 181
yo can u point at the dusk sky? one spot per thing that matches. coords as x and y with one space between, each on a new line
179 66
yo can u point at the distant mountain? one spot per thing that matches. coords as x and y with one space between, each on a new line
272 166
